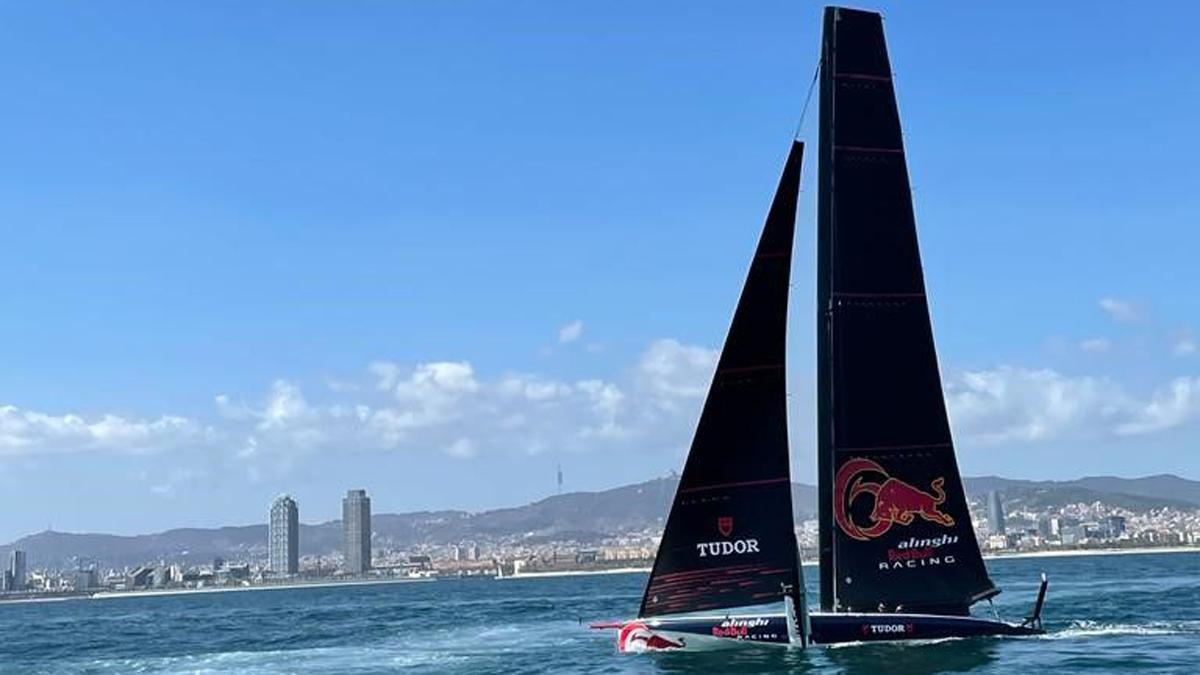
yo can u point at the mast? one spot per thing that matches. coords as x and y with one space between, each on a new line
895 528
729 540
824 377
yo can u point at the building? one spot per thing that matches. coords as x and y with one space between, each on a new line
1056 526
467 550
997 542
995 513
141 577
162 576
16 567
6 580
356 531
85 579
283 536
1044 528
1112 527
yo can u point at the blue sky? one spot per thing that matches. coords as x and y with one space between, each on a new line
435 249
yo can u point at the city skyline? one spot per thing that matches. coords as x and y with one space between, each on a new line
1167 490
1108 521
223 286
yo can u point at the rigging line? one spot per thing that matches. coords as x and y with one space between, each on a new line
807 99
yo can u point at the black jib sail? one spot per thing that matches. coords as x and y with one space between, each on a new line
895 529
729 540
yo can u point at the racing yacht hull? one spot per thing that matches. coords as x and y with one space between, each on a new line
706 633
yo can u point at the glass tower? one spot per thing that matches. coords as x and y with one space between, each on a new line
283 536
356 531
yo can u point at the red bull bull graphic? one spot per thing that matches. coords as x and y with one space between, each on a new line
896 502
636 636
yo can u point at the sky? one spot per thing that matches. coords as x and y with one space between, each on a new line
435 250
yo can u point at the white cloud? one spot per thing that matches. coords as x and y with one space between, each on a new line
605 400
284 405
532 387
27 432
386 374
1096 345
1170 407
570 332
1121 311
443 377
1007 404
1014 404
449 407
671 370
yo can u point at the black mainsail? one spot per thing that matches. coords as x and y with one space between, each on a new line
729 539
894 526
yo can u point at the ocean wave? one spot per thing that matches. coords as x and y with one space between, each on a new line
319 660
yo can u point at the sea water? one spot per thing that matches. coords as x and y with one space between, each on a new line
1105 614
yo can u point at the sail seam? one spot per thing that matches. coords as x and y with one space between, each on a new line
859 148
744 483
749 369
862 76
838 294
920 446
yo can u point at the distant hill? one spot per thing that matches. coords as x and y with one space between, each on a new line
1135 494
578 516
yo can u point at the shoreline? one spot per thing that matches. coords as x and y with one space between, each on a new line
1087 552
106 595
573 573
1081 553
167 592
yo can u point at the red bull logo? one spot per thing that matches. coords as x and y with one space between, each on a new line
636 636
896 502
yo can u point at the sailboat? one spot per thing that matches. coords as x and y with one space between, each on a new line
897 551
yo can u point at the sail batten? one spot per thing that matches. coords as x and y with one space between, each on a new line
895 530
729 539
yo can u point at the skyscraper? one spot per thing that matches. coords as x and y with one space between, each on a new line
995 513
356 531
16 567
283 536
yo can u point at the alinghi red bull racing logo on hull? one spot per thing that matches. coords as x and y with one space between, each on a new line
896 502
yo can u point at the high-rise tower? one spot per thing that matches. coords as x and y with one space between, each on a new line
995 513
16 567
283 536
356 531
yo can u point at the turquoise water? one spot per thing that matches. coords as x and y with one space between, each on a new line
1129 613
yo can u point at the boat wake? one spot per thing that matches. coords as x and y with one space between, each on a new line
431 651
892 645
1088 629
